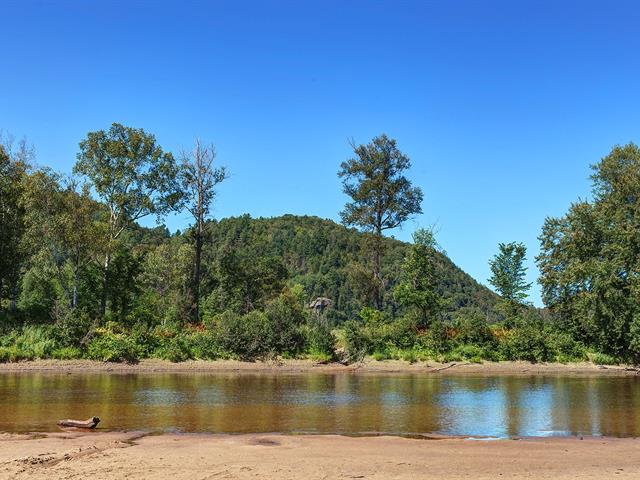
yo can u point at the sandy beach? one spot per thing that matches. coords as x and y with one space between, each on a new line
305 366
113 455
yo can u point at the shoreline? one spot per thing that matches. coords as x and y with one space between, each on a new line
149 366
208 456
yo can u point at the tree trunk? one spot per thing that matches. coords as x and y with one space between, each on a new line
105 284
14 297
74 299
196 273
377 267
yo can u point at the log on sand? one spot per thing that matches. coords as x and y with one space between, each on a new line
90 423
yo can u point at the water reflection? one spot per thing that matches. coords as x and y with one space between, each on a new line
326 403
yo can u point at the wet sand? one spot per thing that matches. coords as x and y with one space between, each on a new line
302 366
113 455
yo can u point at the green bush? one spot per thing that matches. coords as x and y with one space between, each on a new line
174 349
357 344
603 359
29 343
527 342
471 353
402 332
243 335
110 346
320 339
71 326
204 345
14 354
66 353
566 348
286 318
435 341
472 329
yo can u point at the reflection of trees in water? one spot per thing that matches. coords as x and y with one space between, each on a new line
348 403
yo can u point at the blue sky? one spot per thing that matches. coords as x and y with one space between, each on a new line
501 105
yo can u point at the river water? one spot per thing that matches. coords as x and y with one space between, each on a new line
343 403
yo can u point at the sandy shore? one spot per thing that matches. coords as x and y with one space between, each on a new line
128 455
302 366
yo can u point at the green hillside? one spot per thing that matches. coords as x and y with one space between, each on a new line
323 256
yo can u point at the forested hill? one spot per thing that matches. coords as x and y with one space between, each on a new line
323 256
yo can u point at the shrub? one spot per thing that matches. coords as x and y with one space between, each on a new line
14 354
110 346
286 318
174 349
29 343
472 353
472 329
435 341
243 335
527 342
402 332
565 347
357 343
205 345
320 338
71 326
602 359
66 353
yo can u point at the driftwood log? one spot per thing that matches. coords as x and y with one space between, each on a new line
90 423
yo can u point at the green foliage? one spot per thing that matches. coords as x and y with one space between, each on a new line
508 277
245 281
111 344
417 288
277 330
320 338
589 259
66 353
436 340
471 328
243 335
471 353
29 343
374 332
175 349
286 318
603 359
382 197
13 172
71 326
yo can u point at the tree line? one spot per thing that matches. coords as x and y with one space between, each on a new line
79 277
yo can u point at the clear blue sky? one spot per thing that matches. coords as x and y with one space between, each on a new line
501 105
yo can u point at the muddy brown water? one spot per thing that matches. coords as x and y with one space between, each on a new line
342 403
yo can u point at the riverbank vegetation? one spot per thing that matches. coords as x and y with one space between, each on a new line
81 278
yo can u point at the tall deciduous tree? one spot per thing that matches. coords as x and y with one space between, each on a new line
417 288
590 258
508 276
132 175
62 219
198 179
15 161
382 198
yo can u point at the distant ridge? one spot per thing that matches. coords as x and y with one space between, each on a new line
317 254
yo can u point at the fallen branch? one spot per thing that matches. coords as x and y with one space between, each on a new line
90 423
449 366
